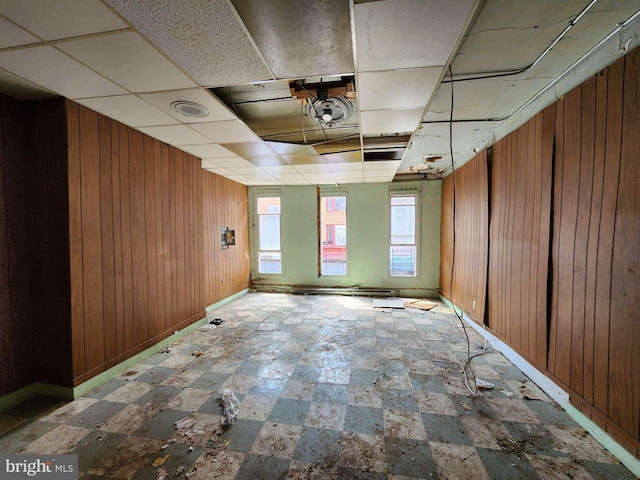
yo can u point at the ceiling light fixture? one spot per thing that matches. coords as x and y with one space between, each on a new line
190 109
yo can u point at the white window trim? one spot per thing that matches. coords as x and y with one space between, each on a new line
256 228
336 192
418 223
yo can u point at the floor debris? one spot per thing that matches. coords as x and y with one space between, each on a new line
160 460
230 407
483 384
388 303
166 350
420 304
197 353
183 423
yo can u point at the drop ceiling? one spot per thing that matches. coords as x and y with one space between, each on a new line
239 58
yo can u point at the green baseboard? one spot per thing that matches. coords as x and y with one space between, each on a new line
68 393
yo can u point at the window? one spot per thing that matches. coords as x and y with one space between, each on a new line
333 228
336 204
402 252
269 254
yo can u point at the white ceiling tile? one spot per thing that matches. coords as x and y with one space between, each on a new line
175 135
318 176
380 174
382 165
290 177
397 88
346 167
390 121
248 171
296 182
263 182
55 19
52 69
12 35
231 162
312 168
347 175
208 163
342 181
212 150
261 178
279 169
127 58
231 131
237 178
205 38
217 110
220 171
22 89
129 110
408 33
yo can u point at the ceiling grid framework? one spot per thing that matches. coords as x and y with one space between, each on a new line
238 59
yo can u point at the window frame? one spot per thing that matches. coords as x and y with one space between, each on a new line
330 207
258 250
416 227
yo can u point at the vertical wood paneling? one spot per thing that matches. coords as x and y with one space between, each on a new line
91 239
469 250
519 236
150 235
8 369
167 245
137 240
127 248
624 354
138 237
75 239
224 204
159 150
118 254
594 318
108 248
107 228
599 128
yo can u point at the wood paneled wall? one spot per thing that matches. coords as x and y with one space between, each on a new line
595 323
471 241
140 215
34 259
226 270
519 236
564 245
14 315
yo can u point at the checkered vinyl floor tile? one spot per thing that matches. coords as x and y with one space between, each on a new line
329 387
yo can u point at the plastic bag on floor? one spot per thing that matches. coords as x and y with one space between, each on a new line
230 407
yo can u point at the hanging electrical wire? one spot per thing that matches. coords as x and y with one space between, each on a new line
467 370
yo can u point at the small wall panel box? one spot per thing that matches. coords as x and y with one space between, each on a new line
227 237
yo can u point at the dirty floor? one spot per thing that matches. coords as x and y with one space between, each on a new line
329 387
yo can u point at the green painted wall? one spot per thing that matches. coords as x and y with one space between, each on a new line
367 238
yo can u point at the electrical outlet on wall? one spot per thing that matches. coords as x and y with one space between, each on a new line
473 305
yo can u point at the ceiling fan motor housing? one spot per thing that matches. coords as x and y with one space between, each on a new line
330 111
